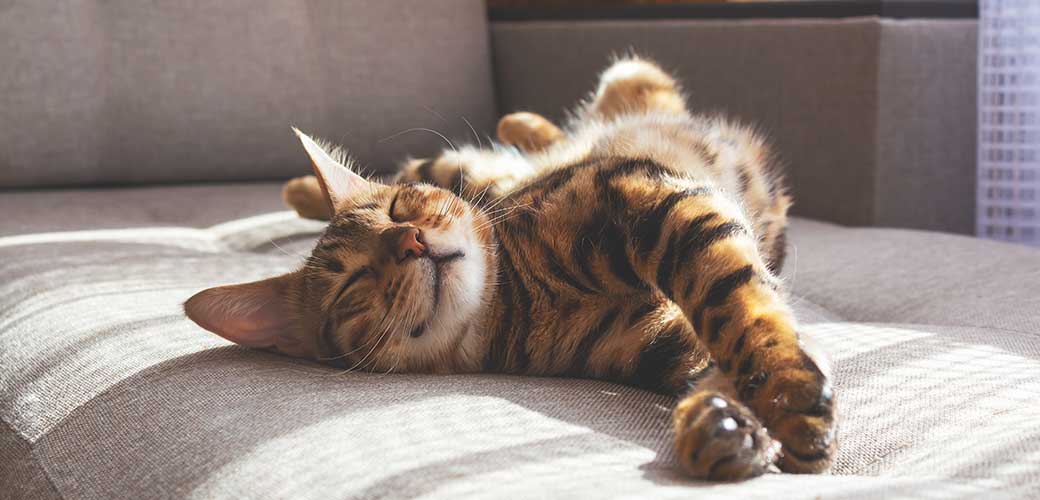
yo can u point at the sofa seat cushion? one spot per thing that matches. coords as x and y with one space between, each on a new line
108 391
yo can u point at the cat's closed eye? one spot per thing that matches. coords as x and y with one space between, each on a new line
393 205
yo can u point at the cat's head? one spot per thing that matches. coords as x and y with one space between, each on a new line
397 282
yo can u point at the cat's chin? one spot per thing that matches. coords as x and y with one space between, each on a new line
448 295
453 285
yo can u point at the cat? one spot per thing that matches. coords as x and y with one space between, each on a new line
639 244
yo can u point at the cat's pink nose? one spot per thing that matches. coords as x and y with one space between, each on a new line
407 243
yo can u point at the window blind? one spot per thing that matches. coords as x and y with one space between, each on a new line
1009 121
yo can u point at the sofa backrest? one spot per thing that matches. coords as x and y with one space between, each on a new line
874 118
125 92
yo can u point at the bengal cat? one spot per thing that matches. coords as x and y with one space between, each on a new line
638 245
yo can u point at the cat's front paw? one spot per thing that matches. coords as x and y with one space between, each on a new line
797 404
807 428
720 439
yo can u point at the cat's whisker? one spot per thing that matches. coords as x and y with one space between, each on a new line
397 360
471 129
789 285
386 346
499 218
480 199
435 113
503 210
356 349
286 252
495 210
314 260
499 214
496 202
422 129
385 324
453 204
379 338
348 353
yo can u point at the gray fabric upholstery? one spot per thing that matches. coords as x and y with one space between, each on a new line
137 92
107 391
200 205
926 137
874 119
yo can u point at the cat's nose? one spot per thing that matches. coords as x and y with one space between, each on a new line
405 243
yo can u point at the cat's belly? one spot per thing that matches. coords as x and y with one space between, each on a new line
702 151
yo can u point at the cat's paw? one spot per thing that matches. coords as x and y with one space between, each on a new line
303 194
805 423
636 85
720 439
797 403
530 132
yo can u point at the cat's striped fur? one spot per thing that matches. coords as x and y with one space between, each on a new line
637 246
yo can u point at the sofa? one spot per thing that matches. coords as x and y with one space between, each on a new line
143 149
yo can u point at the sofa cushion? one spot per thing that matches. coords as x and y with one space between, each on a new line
128 92
107 391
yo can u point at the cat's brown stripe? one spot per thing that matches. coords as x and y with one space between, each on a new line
662 363
556 269
666 265
580 358
646 230
425 172
641 312
550 183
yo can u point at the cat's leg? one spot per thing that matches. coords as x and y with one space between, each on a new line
644 340
694 244
304 195
530 132
635 85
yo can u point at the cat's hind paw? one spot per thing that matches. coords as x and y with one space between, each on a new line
303 194
636 85
528 131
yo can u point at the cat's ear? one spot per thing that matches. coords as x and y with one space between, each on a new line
338 182
253 314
